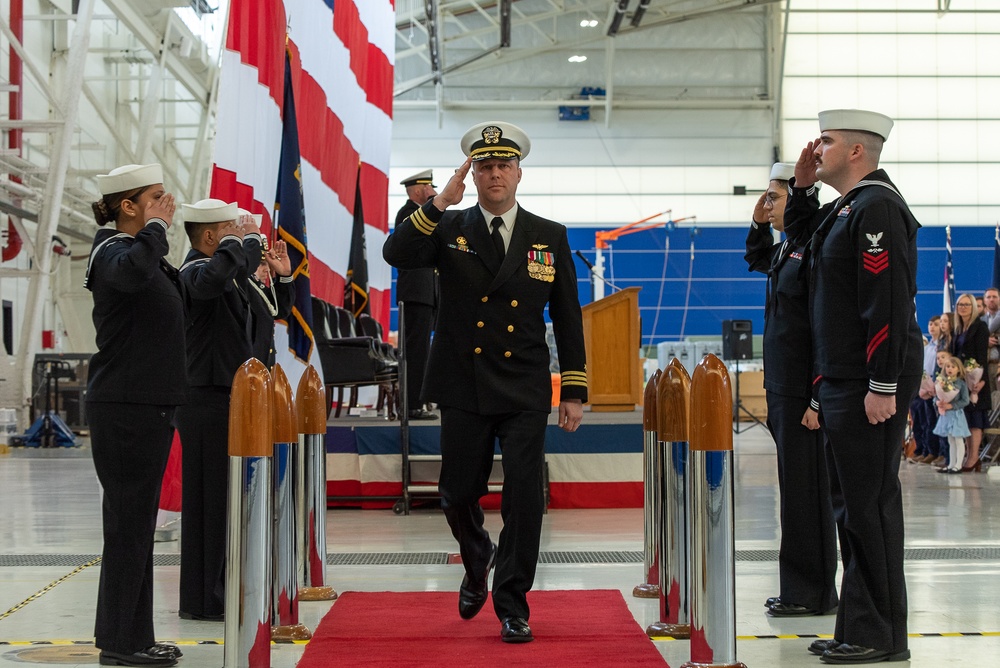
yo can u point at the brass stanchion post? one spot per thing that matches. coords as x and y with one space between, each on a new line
248 566
310 486
285 592
674 405
713 551
650 586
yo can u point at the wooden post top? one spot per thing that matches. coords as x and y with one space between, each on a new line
649 403
674 403
286 428
711 406
310 402
250 411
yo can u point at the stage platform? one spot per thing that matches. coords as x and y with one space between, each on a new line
598 466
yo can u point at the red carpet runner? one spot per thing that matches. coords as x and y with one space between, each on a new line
571 628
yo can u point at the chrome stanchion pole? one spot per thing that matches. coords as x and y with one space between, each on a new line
248 566
673 405
650 586
310 502
285 592
713 546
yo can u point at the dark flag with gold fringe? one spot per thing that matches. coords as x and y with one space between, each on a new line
290 222
356 287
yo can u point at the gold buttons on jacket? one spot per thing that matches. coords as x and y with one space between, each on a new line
514 303
485 299
507 354
510 328
480 323
478 350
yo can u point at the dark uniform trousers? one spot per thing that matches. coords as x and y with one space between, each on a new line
131 444
204 427
807 576
867 500
467 448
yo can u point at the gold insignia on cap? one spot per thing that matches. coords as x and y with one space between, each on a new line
540 246
492 134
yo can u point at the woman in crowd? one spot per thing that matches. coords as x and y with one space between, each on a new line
970 341
137 378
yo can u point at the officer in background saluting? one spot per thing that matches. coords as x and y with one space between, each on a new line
224 251
868 349
499 266
417 289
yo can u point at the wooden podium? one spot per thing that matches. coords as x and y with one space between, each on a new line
612 333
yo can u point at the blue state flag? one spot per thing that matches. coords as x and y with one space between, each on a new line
290 221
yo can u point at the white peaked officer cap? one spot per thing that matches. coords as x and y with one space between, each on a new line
856 119
425 177
129 177
495 139
257 217
209 211
782 171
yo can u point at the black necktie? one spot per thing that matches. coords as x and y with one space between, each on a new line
497 239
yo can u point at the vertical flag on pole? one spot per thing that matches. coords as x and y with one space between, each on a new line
356 289
949 275
996 258
290 221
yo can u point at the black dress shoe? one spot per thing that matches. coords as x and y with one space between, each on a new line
421 414
147 657
817 647
844 653
472 595
166 650
201 618
791 610
771 601
515 630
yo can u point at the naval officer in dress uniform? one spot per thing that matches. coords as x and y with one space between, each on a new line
271 292
215 275
137 379
417 289
867 348
807 557
499 266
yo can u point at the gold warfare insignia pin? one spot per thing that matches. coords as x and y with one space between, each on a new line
540 246
461 241
492 134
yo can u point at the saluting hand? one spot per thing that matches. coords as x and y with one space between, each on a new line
759 215
277 259
454 189
805 166
248 225
162 208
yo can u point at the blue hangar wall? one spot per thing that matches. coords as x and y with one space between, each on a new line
681 297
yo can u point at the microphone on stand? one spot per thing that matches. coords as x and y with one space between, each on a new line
590 268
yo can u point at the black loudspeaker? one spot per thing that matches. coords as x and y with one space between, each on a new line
737 339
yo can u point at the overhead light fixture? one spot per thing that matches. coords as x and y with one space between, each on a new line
639 12
588 23
577 59
617 16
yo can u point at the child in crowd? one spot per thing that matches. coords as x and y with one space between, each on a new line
951 421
